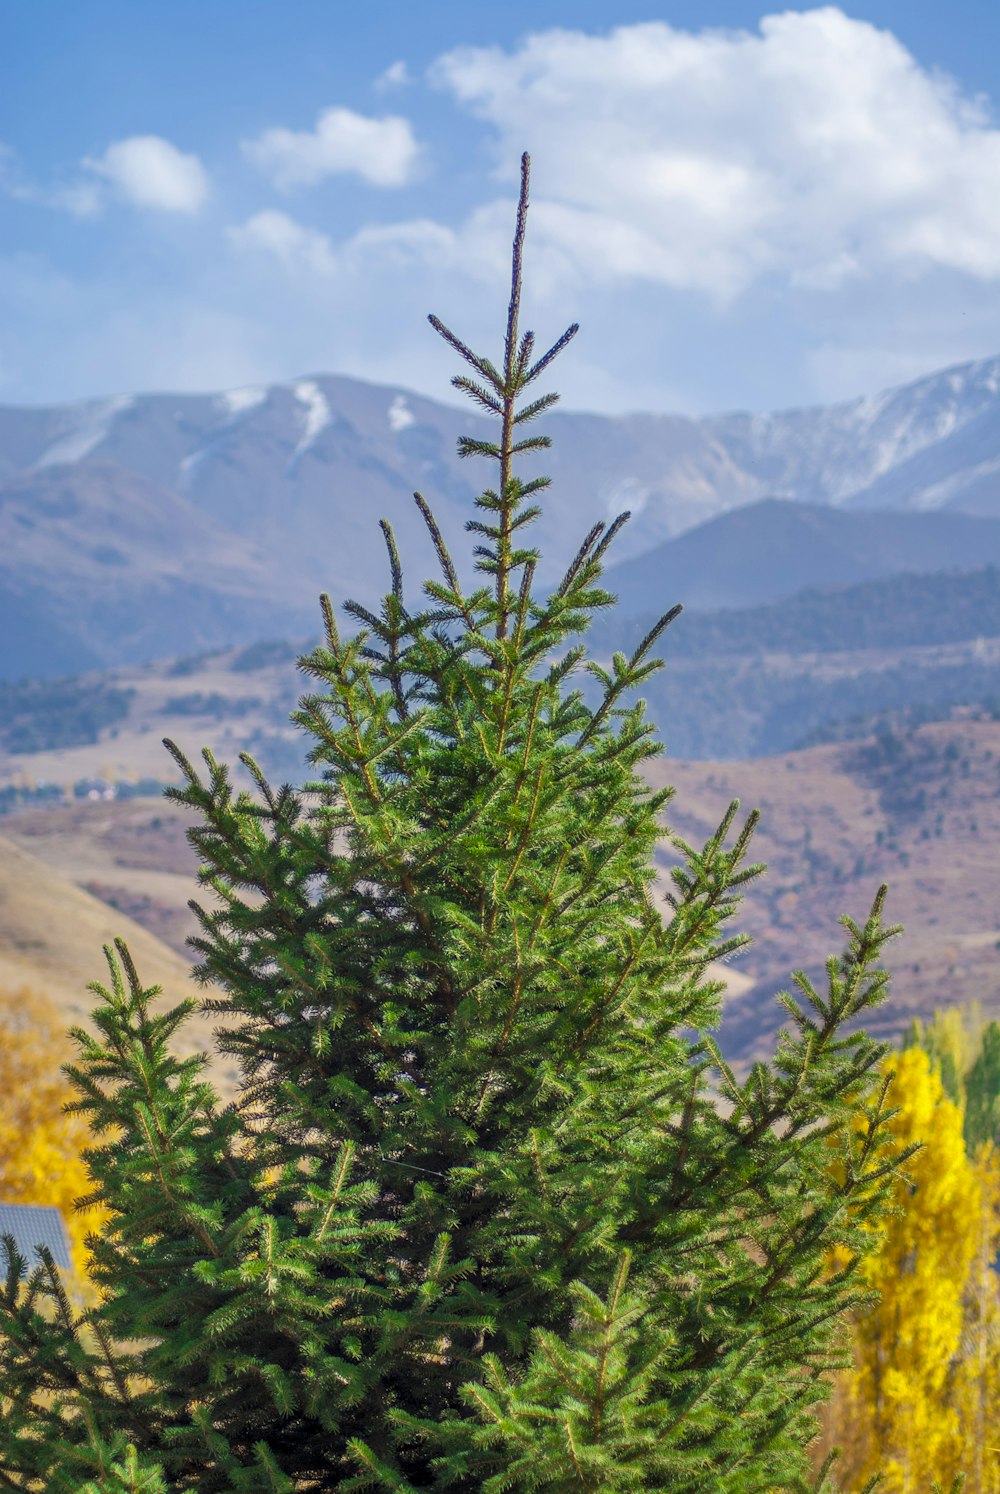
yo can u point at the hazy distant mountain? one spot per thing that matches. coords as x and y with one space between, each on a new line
824 665
827 664
774 548
100 566
140 527
891 614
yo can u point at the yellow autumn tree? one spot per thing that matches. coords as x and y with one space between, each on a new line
40 1147
896 1410
977 1383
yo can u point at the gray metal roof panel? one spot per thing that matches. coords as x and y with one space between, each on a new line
32 1226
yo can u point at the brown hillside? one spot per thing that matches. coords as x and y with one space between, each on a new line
130 854
51 938
921 812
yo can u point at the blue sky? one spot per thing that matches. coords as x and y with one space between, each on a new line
743 206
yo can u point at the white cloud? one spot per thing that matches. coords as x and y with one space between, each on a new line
277 235
399 245
737 219
150 172
816 150
81 198
396 75
308 252
832 206
383 151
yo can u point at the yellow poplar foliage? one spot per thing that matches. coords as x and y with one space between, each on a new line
896 1410
977 1387
40 1147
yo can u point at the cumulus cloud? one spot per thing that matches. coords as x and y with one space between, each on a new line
308 252
798 212
280 237
151 172
816 149
382 151
739 219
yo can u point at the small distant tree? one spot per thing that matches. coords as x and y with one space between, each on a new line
982 1087
492 1211
950 1039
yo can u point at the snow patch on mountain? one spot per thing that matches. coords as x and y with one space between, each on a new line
315 414
629 494
86 427
238 401
233 404
401 417
189 464
938 494
932 444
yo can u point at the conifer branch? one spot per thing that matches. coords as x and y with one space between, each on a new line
576 564
536 408
440 548
481 395
395 567
552 354
329 623
483 365
613 528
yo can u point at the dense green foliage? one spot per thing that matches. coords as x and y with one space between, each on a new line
491 1212
982 1091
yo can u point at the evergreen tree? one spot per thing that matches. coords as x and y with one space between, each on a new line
951 1041
982 1084
492 1212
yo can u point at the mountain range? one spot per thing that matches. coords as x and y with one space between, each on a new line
141 527
823 666
776 547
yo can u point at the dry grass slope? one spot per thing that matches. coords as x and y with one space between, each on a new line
51 936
